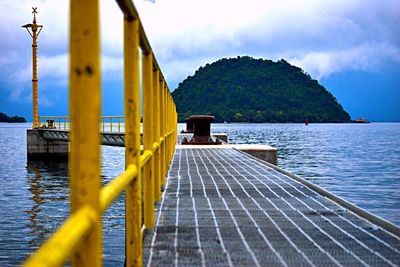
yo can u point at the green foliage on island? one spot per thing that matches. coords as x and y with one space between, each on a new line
244 89
5 118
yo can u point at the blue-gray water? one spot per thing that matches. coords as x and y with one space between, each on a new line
359 162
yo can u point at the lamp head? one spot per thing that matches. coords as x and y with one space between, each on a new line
30 27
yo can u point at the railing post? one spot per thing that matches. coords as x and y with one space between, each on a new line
170 142
133 202
84 160
162 133
156 135
147 91
166 130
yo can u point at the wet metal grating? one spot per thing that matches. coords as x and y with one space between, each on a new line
222 208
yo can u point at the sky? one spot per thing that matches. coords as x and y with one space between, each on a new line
352 47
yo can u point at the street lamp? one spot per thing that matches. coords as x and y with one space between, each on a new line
34 30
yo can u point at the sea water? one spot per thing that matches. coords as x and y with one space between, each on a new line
359 162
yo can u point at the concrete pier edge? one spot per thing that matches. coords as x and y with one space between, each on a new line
39 147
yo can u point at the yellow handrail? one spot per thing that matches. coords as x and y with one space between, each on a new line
80 237
107 123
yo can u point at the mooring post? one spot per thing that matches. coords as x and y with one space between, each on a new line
201 131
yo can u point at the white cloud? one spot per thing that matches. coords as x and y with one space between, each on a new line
50 68
323 37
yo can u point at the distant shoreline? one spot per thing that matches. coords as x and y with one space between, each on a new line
14 119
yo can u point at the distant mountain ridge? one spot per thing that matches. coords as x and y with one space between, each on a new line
6 118
245 89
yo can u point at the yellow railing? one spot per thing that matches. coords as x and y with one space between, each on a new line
107 123
80 238
54 122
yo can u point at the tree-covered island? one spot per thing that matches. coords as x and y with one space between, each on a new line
245 89
6 118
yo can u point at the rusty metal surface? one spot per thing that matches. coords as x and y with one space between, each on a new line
201 125
223 208
189 126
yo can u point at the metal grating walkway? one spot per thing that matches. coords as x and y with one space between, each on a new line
223 208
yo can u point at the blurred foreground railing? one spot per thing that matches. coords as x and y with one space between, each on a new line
80 238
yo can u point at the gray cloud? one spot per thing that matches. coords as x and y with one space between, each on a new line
322 37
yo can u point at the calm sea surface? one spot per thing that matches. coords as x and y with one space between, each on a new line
359 162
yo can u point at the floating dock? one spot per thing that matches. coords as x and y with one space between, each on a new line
221 207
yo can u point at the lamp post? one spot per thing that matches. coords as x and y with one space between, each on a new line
34 30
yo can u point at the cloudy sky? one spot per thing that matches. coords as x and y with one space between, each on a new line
352 47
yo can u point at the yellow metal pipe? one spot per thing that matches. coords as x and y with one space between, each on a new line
114 188
147 91
113 117
84 160
34 29
56 250
145 157
133 196
162 145
156 146
165 117
168 127
156 134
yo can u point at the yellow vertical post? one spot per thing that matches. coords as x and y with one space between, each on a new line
166 128
170 126
171 129
162 133
133 203
165 131
34 30
156 135
164 118
111 124
175 125
148 139
34 76
85 83
171 114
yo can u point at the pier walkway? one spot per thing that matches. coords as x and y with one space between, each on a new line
221 207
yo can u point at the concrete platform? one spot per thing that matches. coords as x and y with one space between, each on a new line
39 147
262 152
222 207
